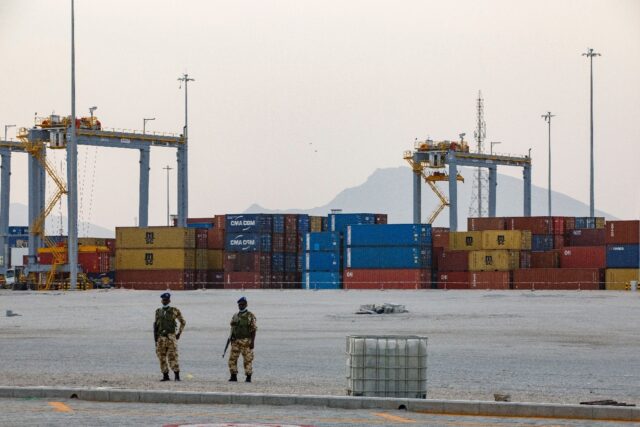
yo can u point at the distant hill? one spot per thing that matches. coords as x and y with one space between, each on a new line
19 215
390 191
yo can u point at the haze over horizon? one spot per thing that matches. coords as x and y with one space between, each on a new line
295 101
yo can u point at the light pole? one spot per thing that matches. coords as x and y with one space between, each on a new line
5 130
167 168
492 143
547 118
590 54
183 160
144 124
72 169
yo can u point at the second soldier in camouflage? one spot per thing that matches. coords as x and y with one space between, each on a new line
243 337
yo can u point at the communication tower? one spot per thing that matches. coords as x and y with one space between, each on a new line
479 194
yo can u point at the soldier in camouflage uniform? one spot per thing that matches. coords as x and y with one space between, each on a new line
164 331
243 337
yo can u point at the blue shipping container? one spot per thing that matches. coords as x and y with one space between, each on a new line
325 224
290 262
322 280
322 261
278 223
339 222
18 229
586 222
541 242
18 240
322 241
623 256
388 257
388 235
277 262
200 225
248 223
303 223
241 242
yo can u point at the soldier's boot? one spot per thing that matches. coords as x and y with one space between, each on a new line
248 379
165 376
177 375
234 377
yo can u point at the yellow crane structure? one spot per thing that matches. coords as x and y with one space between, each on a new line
433 170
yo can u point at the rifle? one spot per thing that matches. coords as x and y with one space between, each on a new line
227 345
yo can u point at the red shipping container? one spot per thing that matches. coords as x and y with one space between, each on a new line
276 281
200 279
557 225
291 243
244 280
277 242
436 253
247 262
622 232
535 224
585 237
158 280
583 257
453 280
440 238
111 244
200 220
453 261
489 280
525 259
215 279
91 262
386 279
558 242
380 218
569 223
291 224
558 279
288 280
201 238
482 224
219 222
215 238
549 259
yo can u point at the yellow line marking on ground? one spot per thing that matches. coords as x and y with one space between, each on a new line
394 418
60 407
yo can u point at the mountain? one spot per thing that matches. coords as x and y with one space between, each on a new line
390 191
19 215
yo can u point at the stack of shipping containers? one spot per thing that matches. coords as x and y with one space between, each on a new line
322 267
17 242
155 257
389 256
622 240
247 251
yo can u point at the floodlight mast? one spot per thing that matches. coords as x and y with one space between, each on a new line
72 170
183 160
547 118
590 54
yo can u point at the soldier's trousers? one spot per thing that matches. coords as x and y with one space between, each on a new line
238 347
167 352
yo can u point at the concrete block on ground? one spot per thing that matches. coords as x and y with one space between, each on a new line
212 398
59 392
618 413
573 411
26 392
427 406
345 402
187 397
471 407
309 400
278 399
247 399
125 395
96 395
6 391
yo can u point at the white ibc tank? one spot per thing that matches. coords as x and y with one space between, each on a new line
387 366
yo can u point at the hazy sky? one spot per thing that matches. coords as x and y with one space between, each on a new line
297 100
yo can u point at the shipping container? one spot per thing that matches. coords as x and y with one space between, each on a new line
277 262
388 235
200 225
558 279
386 278
290 262
155 259
111 244
215 259
303 224
18 241
202 237
215 279
619 279
278 223
465 241
499 260
248 223
542 242
590 222
380 219
155 237
453 280
525 259
534 224
322 261
322 241
290 243
315 224
440 237
558 225
339 221
220 222
453 261
157 280
245 280
583 257
92 241
17 256
322 280
90 261
18 229
549 259
623 256
215 238
247 242
201 259
482 224
569 224
210 221
506 239
291 224
489 280
247 262
622 232
558 242
325 224
585 237
388 257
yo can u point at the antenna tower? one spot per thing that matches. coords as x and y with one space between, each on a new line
479 194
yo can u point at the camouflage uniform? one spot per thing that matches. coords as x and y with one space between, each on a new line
166 341
243 327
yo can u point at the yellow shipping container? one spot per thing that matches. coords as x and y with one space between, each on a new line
494 260
92 241
155 259
215 259
506 239
618 279
155 237
315 224
465 241
201 259
600 222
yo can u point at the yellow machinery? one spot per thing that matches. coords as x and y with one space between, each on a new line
437 152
